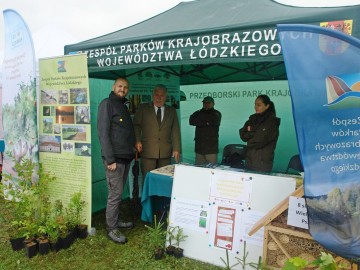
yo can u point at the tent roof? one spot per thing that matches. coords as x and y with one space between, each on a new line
207 18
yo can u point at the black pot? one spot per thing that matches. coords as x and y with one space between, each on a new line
159 253
178 252
66 241
31 249
44 246
17 243
56 246
170 250
82 232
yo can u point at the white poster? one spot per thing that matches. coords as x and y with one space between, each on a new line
251 217
190 214
227 187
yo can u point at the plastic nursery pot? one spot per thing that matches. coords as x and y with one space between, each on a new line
31 249
178 252
44 246
159 253
82 232
17 243
170 250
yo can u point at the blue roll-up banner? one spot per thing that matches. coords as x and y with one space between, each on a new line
323 69
19 93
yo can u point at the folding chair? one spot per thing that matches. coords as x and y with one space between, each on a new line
295 164
234 156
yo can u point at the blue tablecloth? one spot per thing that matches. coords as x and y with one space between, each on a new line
154 185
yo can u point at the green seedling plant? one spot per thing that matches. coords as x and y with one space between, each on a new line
156 235
242 261
179 236
324 262
74 211
227 261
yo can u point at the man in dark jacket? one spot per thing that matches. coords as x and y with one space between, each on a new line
207 122
117 140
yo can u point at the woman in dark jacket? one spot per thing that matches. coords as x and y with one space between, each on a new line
261 133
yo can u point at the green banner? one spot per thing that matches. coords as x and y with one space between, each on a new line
64 127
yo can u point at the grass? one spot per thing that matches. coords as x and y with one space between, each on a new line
96 252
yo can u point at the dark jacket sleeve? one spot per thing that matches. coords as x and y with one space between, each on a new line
246 135
103 127
215 119
261 139
203 119
195 120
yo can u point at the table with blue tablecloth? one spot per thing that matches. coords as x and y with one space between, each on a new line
155 184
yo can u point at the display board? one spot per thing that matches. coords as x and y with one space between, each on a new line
217 207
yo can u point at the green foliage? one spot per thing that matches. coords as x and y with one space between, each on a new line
242 261
170 234
179 236
324 262
98 252
227 261
27 202
295 263
74 211
156 234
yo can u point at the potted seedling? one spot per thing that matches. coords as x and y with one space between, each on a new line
43 240
62 220
179 237
53 233
170 237
25 198
75 211
156 236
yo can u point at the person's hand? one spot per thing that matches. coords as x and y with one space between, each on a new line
248 128
138 147
111 167
176 156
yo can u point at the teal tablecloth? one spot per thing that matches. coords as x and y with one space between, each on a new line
154 185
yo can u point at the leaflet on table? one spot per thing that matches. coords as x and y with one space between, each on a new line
166 170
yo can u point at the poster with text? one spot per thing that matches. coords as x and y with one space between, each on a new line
225 227
64 127
324 79
19 117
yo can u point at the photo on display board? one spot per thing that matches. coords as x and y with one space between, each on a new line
74 133
51 144
48 97
65 115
